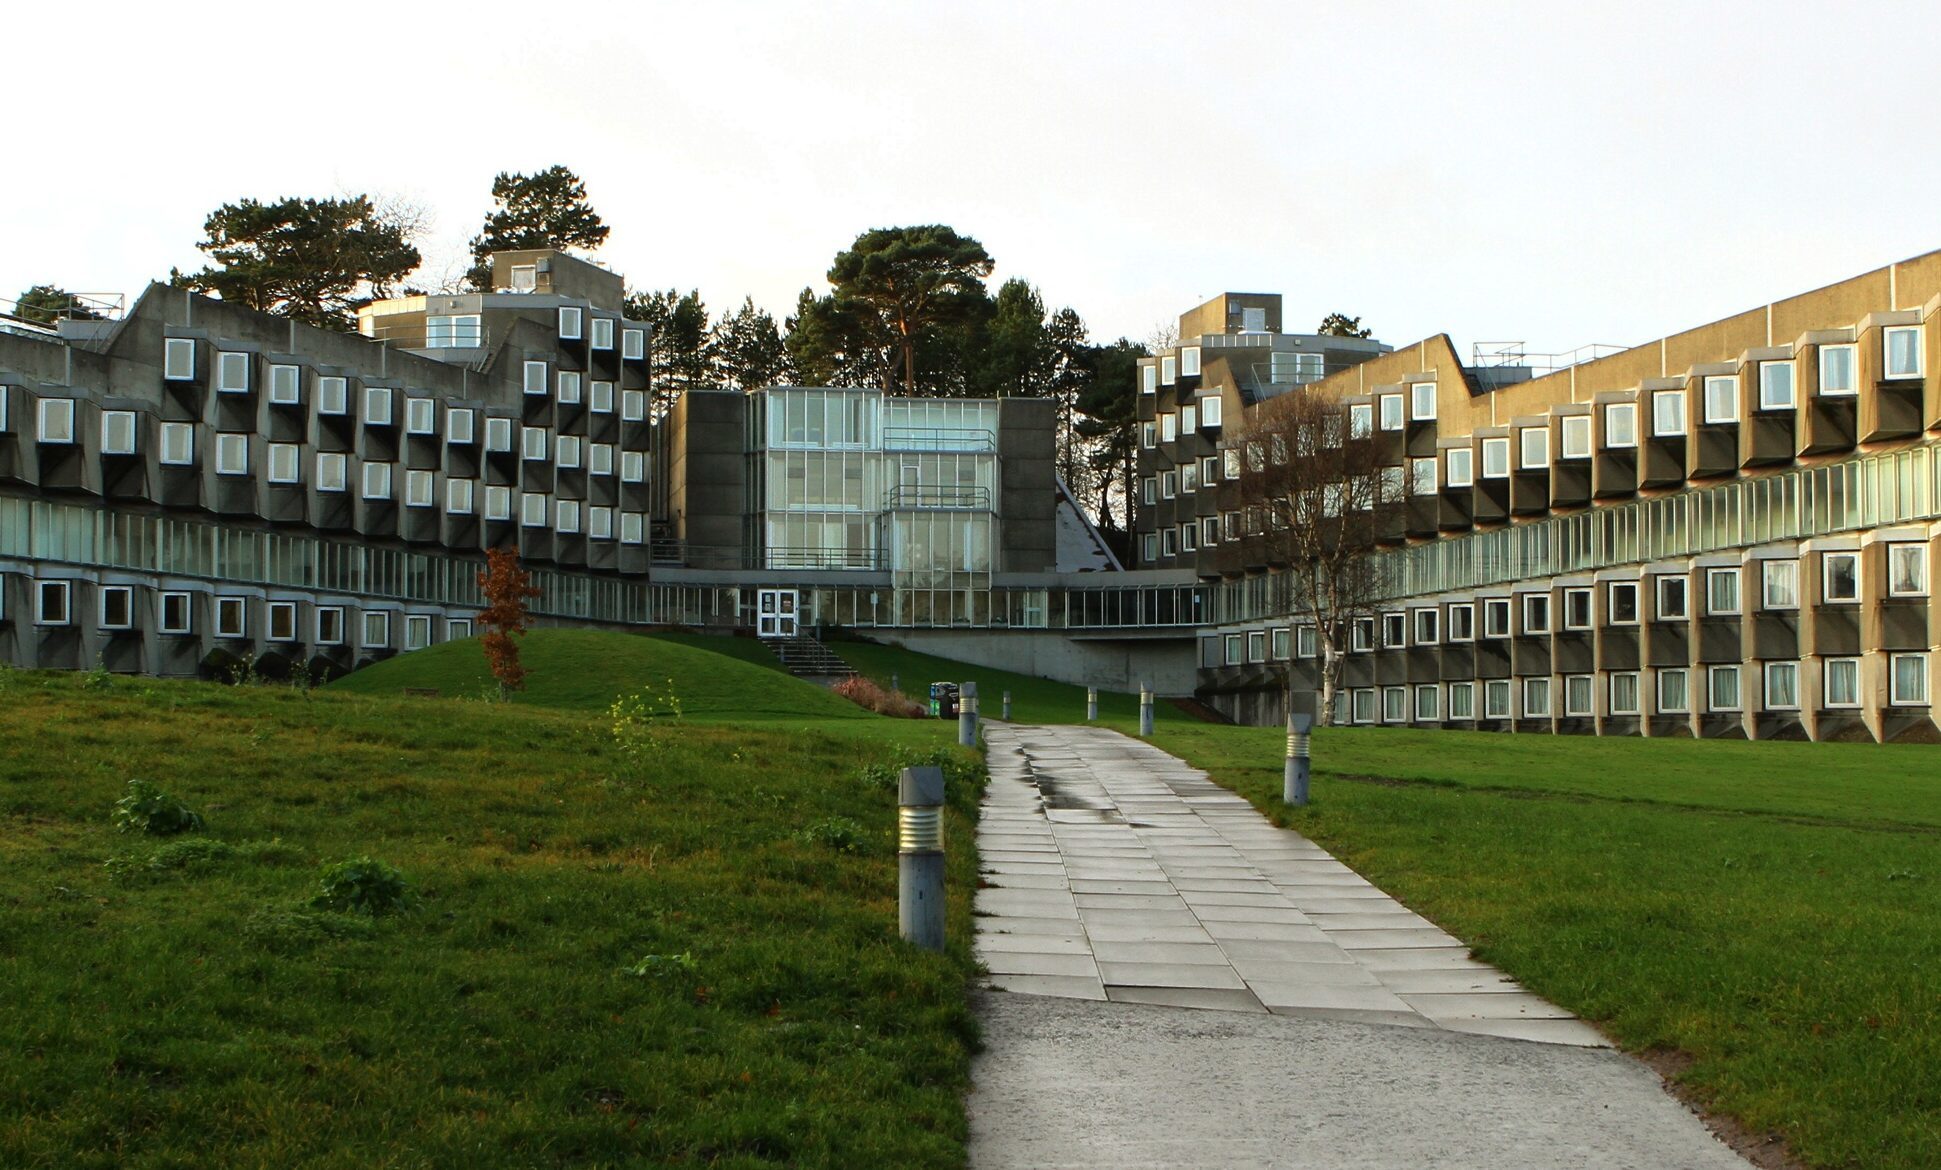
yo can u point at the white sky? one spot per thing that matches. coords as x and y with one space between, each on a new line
1554 172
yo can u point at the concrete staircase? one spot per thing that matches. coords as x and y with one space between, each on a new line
808 658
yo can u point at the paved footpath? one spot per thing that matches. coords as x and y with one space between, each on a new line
1124 889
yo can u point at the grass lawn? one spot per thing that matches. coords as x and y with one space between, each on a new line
1033 700
1767 909
690 960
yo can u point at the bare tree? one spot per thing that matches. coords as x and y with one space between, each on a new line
1315 488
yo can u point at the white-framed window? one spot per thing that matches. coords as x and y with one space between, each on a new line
417 489
633 405
566 451
175 615
1209 531
377 406
1722 689
1393 418
1907 570
498 503
1536 613
498 434
1776 386
1839 577
1422 401
1428 703
1722 398
1168 370
1667 412
1148 378
1364 705
533 443
330 625
56 421
1576 430
284 463
1149 434
1782 686
1533 447
232 373
1839 370
1361 420
458 424
1462 700
178 359
458 497
177 444
1577 695
331 471
1497 693
1779 584
633 527
1307 642
117 432
533 510
53 603
537 379
1623 601
1210 410
1907 680
1256 646
1900 347
333 395
1281 644
1462 622
1496 617
572 321
377 629
1189 536
603 333
1722 591
377 481
1395 630
1233 650
1168 427
1460 467
1422 476
566 515
1395 704
116 607
1624 693
1842 678
454 331
286 384
600 458
1364 633
1168 542
1577 608
1536 698
1189 419
1427 626
1189 476
232 454
282 620
633 344
1149 547
420 416
599 522
232 617
417 631
1620 425
569 387
600 398
1149 490
1168 484
1189 361
633 467
1496 458
1674 597
1675 691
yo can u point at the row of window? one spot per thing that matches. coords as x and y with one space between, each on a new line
234 368
1573 696
175 615
284 460
1203 415
1285 368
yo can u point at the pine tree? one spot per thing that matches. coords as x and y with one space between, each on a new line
547 209
316 260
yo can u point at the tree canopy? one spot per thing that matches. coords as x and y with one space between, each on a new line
45 304
547 209
911 279
316 260
1342 325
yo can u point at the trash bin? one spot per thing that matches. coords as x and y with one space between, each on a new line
943 700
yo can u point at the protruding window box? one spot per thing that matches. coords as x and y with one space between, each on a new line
1668 643
1530 654
1775 634
1836 630
1457 662
1713 451
1769 437
1662 461
1614 473
1903 623
1829 399
1571 652
1493 658
1719 639
1618 648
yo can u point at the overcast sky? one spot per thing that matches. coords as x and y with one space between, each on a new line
1552 172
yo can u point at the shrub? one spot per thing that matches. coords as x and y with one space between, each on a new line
870 697
147 809
193 855
638 719
363 885
838 833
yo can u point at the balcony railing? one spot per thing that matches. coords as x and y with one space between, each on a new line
938 496
938 439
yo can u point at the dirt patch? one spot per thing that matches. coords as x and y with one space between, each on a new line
1768 1151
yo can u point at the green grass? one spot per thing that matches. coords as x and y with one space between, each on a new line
1033 700
188 1007
1767 909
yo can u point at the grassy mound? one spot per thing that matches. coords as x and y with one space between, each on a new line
1033 700
587 669
681 956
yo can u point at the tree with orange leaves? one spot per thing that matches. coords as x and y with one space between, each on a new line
507 588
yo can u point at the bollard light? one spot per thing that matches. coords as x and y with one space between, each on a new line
967 714
1091 704
1007 706
896 683
920 856
1145 710
1300 722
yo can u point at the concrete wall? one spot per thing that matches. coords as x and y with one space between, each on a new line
1169 665
1027 485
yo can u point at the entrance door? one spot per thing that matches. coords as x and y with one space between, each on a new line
775 615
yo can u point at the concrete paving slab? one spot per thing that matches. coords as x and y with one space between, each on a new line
1276 931
1159 952
1021 924
1214 998
1486 1006
1036 963
1169 975
1145 932
1436 979
1405 939
1278 950
1316 973
1044 944
1065 986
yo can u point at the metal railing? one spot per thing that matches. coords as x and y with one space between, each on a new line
1493 354
938 439
909 495
668 553
44 317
